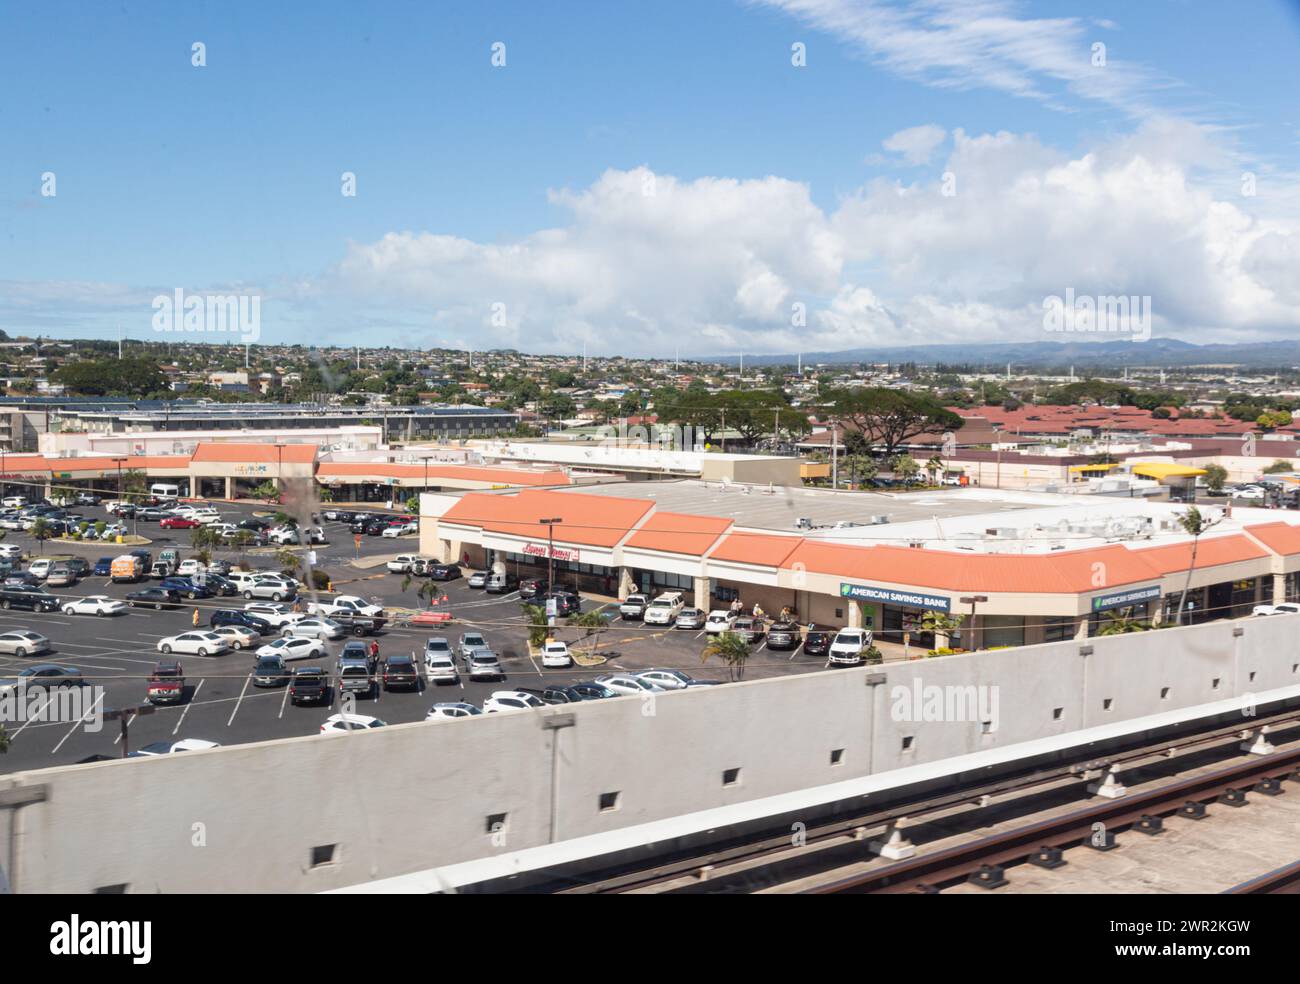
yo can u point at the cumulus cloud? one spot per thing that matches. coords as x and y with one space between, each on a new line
916 144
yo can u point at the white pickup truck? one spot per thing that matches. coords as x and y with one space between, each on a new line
359 615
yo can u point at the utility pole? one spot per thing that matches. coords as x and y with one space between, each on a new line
550 567
119 341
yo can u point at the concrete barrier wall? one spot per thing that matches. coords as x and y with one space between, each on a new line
405 798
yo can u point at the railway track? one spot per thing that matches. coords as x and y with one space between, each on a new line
808 862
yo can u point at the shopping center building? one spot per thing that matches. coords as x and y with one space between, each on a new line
1020 567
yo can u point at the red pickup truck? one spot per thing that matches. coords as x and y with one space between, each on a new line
167 684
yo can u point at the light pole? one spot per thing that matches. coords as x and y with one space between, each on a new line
550 558
973 600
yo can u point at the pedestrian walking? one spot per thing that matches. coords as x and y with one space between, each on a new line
195 620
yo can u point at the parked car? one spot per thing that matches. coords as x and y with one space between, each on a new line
530 587
290 648
511 700
172 747
44 675
310 685
60 576
690 618
233 616
555 655
355 676
402 563
166 684
478 579
471 642
28 597
99 605
673 679
625 684
719 620
1282 608
238 636
783 635
315 628
439 663
186 587
633 607
443 572
350 722
484 665
104 567
196 643
400 672
23 642
590 690
566 602
848 646
500 583
817 641
274 614
451 710
276 589
177 523
271 671
749 629
664 609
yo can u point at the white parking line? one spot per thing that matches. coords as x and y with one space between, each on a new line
795 651
188 704
247 680
80 721
284 700
34 714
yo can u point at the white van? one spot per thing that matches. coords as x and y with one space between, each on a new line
663 610
162 490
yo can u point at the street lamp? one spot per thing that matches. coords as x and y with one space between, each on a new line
550 554
973 600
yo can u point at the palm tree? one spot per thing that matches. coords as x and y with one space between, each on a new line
1194 524
934 467
733 649
40 532
1121 622
594 622
939 624
427 590
288 561
539 625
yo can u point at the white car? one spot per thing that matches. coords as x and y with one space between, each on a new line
205 517
624 684
273 588
278 615
511 700
284 534
315 628
556 654
350 722
664 609
1249 492
13 502
847 647
10 550
191 566
669 679
1283 608
172 747
239 636
15 523
291 647
196 643
450 710
95 605
23 642
719 620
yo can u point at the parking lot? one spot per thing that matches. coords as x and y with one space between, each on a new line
117 653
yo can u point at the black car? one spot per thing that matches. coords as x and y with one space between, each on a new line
340 515
361 520
218 585
401 671
28 598
233 616
255 525
22 578
783 635
444 572
270 671
818 641
592 691
158 598
566 602
310 685
376 525
559 694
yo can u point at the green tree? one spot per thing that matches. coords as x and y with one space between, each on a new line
890 418
1121 622
730 647
1278 467
426 589
1215 477
40 532
539 626
267 490
290 563
905 467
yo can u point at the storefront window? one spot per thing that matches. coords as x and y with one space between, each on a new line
1003 630
1057 628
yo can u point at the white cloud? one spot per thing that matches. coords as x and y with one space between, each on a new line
916 144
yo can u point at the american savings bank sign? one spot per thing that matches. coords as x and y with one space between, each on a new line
558 553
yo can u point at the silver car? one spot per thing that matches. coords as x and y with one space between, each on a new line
23 642
478 579
483 665
315 628
470 643
690 618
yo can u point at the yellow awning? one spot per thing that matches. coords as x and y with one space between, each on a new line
1160 470
1093 468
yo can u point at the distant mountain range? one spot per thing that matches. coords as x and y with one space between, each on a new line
1155 352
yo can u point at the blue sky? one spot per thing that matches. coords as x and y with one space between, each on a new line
509 205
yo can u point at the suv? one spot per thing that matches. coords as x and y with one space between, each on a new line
663 610
848 647
783 635
633 607
232 616
401 671
270 587
818 640
270 671
530 587
27 597
500 583
566 602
